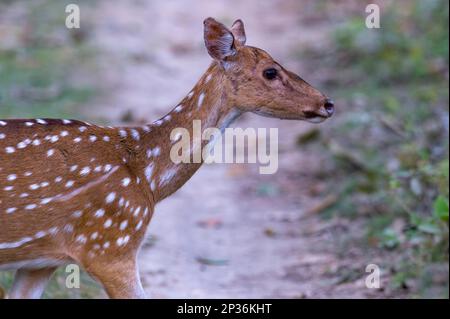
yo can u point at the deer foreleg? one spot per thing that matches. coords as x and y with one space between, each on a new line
30 284
120 279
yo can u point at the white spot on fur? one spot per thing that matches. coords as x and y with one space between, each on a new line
179 108
122 241
77 214
200 99
81 239
47 200
110 198
69 184
135 134
123 225
108 223
85 170
148 172
167 176
126 181
11 210
99 213
68 228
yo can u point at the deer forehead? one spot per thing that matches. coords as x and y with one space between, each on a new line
250 57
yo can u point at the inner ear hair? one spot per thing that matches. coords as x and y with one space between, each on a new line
219 41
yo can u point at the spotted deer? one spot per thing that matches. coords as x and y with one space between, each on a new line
73 192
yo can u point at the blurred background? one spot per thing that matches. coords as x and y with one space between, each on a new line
369 186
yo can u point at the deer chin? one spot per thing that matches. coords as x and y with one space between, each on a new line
316 119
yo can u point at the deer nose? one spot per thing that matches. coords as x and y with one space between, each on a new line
329 107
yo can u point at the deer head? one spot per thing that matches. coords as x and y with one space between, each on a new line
258 83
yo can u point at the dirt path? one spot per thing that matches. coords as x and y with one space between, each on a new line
225 233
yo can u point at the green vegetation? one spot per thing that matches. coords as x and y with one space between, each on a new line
389 140
39 77
38 65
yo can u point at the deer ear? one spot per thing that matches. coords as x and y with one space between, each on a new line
238 32
219 41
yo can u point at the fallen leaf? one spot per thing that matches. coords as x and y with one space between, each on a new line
325 203
212 262
210 223
269 232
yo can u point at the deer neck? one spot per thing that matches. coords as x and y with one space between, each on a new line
209 104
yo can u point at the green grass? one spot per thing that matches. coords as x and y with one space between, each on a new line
40 78
34 85
38 73
56 288
388 146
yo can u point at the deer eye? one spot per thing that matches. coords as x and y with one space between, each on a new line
270 74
